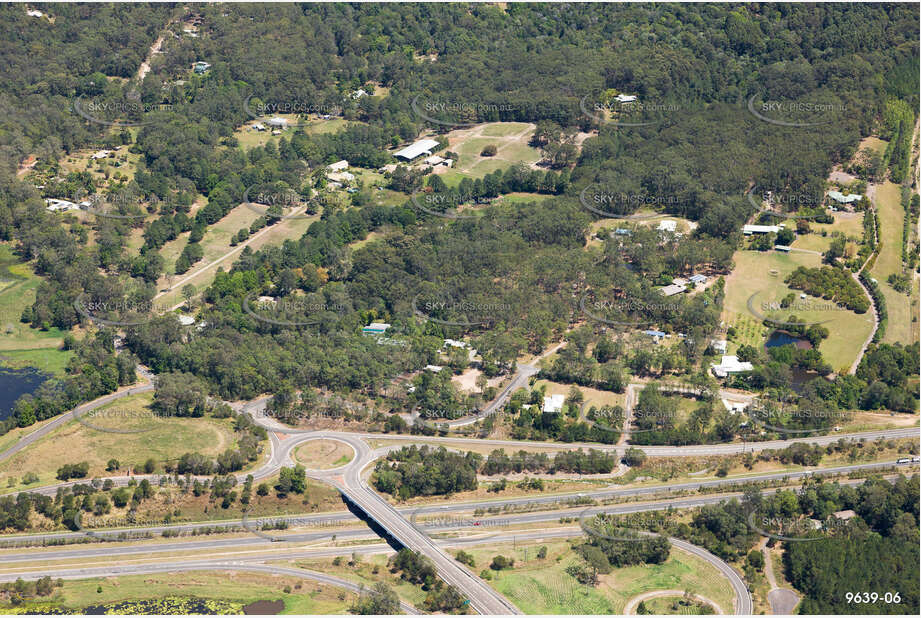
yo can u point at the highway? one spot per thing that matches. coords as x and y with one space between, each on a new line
348 480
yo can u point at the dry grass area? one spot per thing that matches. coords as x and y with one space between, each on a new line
323 454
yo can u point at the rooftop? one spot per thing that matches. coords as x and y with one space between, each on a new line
423 146
554 403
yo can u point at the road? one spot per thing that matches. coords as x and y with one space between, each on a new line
203 565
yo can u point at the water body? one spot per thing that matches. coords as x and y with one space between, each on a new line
780 337
17 382
800 376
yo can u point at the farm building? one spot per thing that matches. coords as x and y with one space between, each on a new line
748 230
417 149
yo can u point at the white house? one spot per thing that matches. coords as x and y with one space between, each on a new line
34 13
186 320
841 198
554 403
625 98
671 290
668 225
102 154
434 368
422 147
734 406
338 166
258 126
719 345
59 205
748 230
277 123
730 364
341 177
359 93
434 160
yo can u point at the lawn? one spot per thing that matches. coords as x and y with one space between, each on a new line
591 396
902 326
544 587
672 606
159 438
849 224
510 138
323 454
363 572
753 274
20 344
305 596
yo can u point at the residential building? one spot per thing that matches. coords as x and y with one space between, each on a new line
668 225
338 166
698 279
730 364
554 404
841 198
201 67
748 230
375 328
671 290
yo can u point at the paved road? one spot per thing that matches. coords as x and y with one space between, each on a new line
630 607
483 598
202 565
67 416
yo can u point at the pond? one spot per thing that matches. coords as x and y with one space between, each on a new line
781 337
17 382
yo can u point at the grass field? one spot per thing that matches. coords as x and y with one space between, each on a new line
849 224
591 396
323 454
510 138
216 245
304 597
363 572
160 438
672 606
544 587
20 344
752 274
902 326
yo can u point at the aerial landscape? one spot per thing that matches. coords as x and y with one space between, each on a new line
488 308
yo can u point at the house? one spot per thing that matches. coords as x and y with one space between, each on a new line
359 93
668 225
845 515
330 186
730 364
387 169
455 344
841 198
783 248
622 232
375 328
34 13
554 404
422 147
625 98
101 154
680 281
434 160
338 166
734 406
277 123
186 320
190 32
698 279
655 334
200 67
748 230
258 126
671 290
434 368
719 345
341 177
59 205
